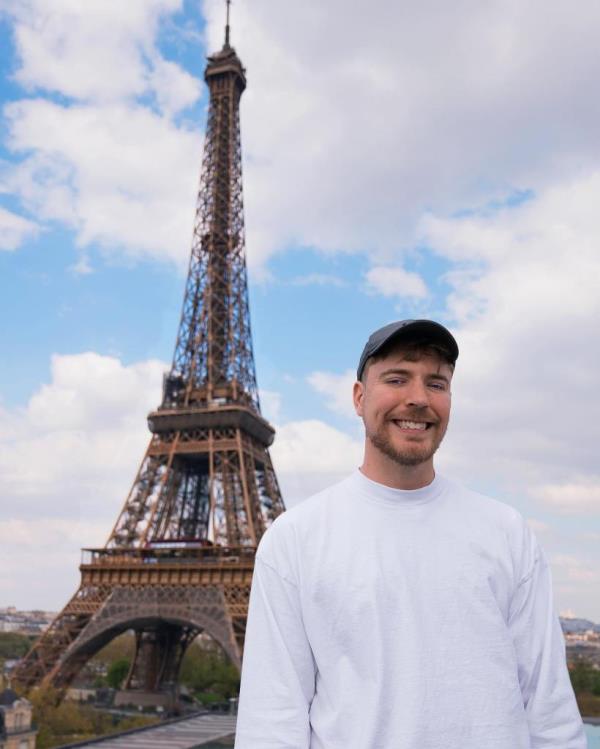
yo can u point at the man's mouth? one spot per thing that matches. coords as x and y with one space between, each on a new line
413 426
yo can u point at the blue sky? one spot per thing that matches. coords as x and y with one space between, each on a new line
416 162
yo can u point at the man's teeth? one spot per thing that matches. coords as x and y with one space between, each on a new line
412 424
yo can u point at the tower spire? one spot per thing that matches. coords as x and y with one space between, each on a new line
228 2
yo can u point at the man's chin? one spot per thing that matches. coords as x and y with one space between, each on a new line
405 456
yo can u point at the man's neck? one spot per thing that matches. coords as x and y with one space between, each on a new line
388 472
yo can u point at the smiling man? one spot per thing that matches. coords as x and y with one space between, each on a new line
397 609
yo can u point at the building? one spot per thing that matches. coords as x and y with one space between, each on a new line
16 729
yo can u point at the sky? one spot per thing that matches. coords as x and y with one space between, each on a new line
400 159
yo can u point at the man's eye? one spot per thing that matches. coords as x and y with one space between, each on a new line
438 386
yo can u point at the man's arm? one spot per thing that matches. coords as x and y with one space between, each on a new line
278 674
550 706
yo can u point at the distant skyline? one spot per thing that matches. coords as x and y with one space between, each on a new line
399 161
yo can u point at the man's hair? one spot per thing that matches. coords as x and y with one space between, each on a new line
413 350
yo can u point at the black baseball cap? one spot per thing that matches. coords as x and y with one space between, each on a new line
423 330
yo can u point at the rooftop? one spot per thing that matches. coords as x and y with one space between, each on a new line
182 733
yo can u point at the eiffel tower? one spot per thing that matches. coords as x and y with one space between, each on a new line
180 557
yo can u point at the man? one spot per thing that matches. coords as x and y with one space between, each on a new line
397 609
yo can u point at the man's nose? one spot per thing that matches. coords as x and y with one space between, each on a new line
417 395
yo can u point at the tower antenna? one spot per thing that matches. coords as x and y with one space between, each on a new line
227 24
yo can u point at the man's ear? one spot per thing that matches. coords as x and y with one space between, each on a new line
358 393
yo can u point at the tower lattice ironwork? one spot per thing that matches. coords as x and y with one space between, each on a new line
180 557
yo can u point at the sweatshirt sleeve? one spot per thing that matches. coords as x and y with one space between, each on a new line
550 706
278 672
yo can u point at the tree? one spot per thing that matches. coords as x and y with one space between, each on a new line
117 671
123 646
206 669
14 645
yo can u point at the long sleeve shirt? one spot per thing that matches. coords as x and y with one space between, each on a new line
390 619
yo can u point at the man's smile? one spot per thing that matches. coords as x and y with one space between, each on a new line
412 426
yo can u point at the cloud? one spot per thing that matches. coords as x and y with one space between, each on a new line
270 404
574 569
175 89
434 110
525 306
67 461
106 159
32 543
119 176
312 446
73 450
380 114
105 52
311 455
538 526
14 230
581 496
395 282
336 389
318 279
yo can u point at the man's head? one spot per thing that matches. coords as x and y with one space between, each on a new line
426 333
403 391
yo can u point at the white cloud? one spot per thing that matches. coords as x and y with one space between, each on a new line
106 163
120 176
433 109
574 569
175 89
14 230
270 404
318 279
34 544
538 526
67 461
310 455
380 113
395 282
336 389
576 497
72 452
312 446
104 51
526 309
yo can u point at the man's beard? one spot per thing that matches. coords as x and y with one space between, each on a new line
408 456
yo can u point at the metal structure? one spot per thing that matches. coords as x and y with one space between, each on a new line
180 557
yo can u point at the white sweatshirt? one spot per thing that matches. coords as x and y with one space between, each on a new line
389 619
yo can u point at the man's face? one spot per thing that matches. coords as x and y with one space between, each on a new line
404 402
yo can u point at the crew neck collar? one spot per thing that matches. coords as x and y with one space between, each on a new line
382 494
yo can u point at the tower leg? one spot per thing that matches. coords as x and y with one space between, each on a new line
166 619
158 656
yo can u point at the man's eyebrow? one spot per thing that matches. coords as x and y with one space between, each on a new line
438 376
395 370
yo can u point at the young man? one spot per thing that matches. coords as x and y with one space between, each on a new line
397 609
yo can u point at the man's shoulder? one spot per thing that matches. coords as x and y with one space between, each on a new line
293 525
476 504
309 509
489 518
478 501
